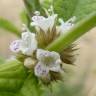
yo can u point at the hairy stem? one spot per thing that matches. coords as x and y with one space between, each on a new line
79 29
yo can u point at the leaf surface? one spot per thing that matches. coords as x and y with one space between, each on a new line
15 80
9 26
68 8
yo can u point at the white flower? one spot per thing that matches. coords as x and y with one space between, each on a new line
47 61
29 43
15 46
44 23
65 26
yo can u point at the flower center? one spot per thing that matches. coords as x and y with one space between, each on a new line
48 60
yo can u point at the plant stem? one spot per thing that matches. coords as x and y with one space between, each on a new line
51 90
79 29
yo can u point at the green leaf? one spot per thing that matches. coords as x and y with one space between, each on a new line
84 8
69 37
78 8
12 75
30 87
65 8
15 80
7 25
46 3
24 17
68 8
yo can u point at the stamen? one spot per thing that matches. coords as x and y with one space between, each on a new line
51 10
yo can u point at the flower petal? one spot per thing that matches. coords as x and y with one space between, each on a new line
44 23
65 26
43 54
15 46
55 66
41 70
29 43
37 18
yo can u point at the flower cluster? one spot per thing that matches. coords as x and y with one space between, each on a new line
44 63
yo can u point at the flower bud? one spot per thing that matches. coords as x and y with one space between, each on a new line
29 63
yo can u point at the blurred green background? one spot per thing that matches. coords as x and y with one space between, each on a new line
10 9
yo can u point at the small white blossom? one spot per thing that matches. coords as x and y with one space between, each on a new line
29 43
65 26
44 23
47 61
15 46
